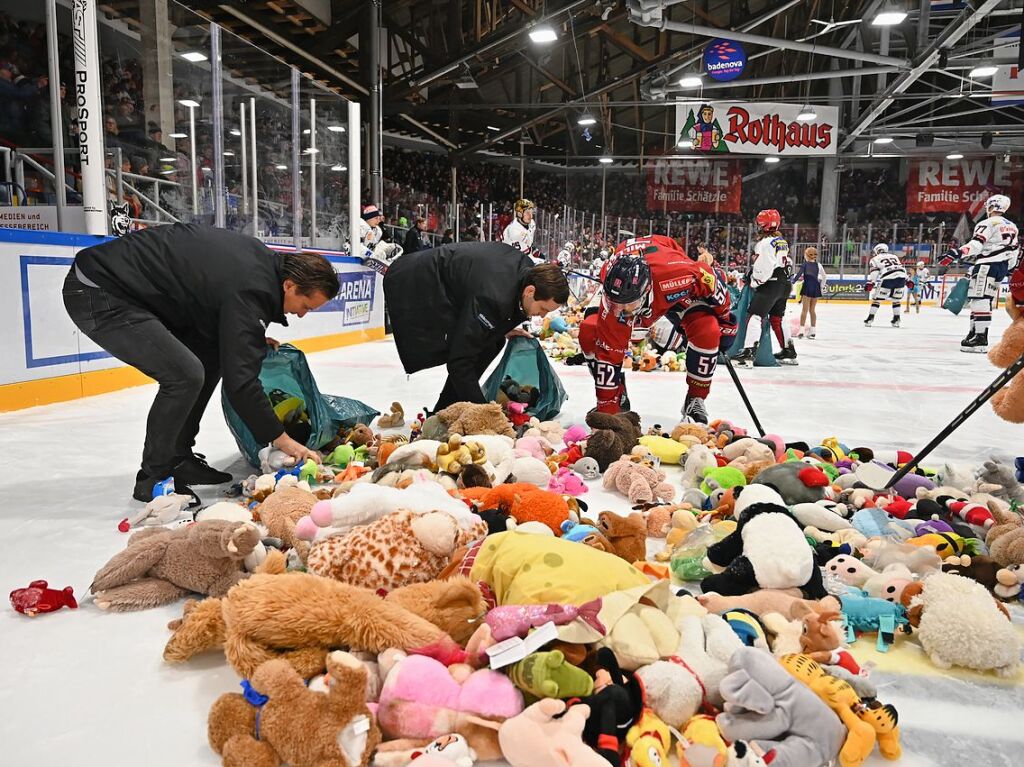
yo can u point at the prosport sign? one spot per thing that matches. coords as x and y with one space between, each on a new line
694 186
718 127
958 186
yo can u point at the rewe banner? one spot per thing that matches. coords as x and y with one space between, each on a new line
756 128
959 186
694 186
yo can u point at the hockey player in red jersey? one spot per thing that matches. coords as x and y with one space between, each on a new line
645 279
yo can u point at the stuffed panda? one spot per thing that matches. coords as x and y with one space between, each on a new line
767 551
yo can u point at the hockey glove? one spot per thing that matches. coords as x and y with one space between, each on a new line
869 287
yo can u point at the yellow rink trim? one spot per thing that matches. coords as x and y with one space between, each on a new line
908 658
45 391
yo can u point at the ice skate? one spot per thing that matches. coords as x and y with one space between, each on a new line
812 333
799 333
694 410
745 359
895 322
868 322
787 356
975 343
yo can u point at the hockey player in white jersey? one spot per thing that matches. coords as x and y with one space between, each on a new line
519 233
992 253
769 281
887 281
374 251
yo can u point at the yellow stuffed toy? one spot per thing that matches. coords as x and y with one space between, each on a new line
702 743
455 455
667 450
648 742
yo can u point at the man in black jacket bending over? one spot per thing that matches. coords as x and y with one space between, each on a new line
188 305
456 304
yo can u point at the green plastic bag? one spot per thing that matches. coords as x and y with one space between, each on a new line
286 373
525 363
957 296
741 310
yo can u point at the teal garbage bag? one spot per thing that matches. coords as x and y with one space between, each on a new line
957 296
741 310
289 384
525 362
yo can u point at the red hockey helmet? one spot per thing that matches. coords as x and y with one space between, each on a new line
769 220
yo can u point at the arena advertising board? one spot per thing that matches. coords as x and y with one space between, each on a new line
694 186
354 299
736 127
724 59
959 186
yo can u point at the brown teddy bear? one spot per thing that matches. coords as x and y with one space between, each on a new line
1008 403
614 435
301 617
160 566
1005 539
639 483
279 513
398 549
279 719
467 418
627 535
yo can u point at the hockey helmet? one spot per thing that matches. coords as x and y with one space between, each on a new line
522 205
627 282
920 264
569 247
880 248
1000 203
769 220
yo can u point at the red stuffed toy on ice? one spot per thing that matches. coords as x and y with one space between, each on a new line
39 598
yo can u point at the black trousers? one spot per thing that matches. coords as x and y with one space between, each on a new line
186 372
449 395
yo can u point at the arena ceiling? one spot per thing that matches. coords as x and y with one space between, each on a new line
465 74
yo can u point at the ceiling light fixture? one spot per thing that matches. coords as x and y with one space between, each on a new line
954 156
189 103
884 140
807 114
889 15
194 56
179 135
339 168
235 132
605 160
691 81
986 71
543 34
336 128
586 119
771 160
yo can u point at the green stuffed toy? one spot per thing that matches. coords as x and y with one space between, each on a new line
550 675
666 450
722 478
345 454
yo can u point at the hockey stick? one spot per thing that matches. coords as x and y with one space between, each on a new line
1000 381
743 393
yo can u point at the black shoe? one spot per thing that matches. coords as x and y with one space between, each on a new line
577 359
745 358
194 470
976 343
144 488
868 321
895 322
788 355
694 410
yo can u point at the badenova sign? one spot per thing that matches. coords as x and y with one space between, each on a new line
724 59
957 186
756 128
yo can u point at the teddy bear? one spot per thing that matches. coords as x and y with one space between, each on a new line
161 565
639 483
767 551
691 433
454 455
614 435
627 535
278 719
281 511
1005 539
398 549
698 458
300 617
1008 402
466 418
393 420
552 431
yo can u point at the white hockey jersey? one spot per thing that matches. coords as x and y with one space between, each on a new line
369 235
519 236
994 241
770 253
886 266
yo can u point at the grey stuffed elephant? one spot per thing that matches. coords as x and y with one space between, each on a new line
767 706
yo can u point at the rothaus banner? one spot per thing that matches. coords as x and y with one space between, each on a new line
694 186
739 127
959 186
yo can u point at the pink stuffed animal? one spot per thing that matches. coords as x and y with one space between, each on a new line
639 483
849 570
421 698
567 482
534 447
574 435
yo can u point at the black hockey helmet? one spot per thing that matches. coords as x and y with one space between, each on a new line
627 280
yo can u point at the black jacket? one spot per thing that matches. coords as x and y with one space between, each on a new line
413 240
450 304
213 289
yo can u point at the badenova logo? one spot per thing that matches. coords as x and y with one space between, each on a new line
81 119
724 59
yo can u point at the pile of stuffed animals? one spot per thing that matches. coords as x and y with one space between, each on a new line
451 598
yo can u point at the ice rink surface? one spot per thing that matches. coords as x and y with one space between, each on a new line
88 688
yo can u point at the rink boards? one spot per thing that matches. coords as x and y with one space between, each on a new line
44 358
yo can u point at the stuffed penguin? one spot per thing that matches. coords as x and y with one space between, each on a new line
767 551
